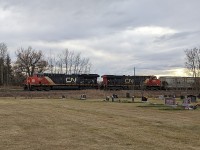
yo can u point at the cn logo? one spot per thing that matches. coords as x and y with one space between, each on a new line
128 81
70 80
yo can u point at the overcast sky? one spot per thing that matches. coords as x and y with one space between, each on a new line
117 35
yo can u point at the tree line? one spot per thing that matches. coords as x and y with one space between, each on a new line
29 61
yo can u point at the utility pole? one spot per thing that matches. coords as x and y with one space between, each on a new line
134 82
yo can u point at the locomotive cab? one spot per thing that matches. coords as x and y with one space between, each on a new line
152 83
36 82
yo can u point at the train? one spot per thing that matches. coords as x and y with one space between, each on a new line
51 81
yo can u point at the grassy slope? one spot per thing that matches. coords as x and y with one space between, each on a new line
94 124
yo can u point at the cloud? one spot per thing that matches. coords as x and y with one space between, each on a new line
117 35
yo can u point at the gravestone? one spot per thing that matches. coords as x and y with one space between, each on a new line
170 101
144 99
133 98
192 97
83 97
186 101
115 95
107 98
161 97
127 95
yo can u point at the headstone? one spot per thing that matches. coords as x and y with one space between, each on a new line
107 98
144 99
170 101
161 97
192 97
133 98
198 95
83 97
187 103
115 96
127 95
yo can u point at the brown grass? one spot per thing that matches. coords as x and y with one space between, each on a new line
59 124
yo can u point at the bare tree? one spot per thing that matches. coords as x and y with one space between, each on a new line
50 63
66 54
77 62
69 62
193 63
30 60
60 63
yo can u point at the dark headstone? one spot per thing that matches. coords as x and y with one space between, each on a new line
127 95
144 99
115 96
133 98
198 96
182 97
192 97
107 98
113 99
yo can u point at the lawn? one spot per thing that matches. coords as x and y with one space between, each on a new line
59 124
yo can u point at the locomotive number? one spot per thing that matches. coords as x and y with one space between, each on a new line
128 80
70 80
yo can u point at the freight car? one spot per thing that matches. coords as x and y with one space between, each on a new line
48 81
123 82
177 83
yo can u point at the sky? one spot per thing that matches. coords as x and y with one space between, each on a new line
116 35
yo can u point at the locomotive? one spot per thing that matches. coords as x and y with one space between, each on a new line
122 82
48 81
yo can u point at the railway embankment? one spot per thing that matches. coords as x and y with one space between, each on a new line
91 94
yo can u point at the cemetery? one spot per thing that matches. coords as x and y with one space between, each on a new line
95 120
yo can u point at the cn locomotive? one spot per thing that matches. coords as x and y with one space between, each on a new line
117 82
48 81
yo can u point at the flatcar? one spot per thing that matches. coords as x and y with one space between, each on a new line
49 81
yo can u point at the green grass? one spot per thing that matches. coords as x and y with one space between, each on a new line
60 124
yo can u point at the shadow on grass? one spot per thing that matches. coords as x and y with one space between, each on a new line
154 105
162 107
